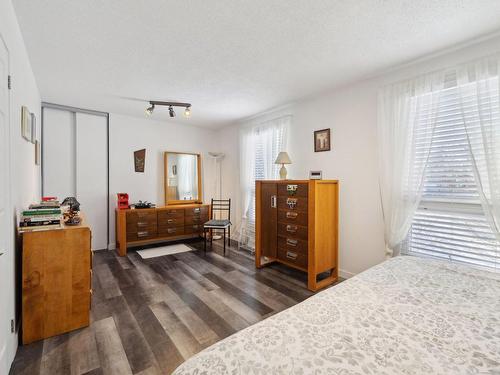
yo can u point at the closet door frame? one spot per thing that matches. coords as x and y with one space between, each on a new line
90 112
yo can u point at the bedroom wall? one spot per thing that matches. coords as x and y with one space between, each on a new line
25 176
128 134
351 113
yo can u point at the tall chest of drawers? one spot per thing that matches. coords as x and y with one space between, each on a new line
151 225
297 225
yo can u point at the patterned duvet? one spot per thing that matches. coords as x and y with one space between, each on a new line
405 316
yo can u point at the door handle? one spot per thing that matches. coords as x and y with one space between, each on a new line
273 201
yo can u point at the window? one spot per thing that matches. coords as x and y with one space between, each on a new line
260 146
450 222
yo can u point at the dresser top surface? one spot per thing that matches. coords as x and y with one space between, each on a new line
168 207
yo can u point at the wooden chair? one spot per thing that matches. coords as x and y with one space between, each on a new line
220 205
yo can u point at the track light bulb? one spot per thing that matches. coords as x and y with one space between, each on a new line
149 110
171 111
187 112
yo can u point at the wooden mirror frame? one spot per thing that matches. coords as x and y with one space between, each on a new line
165 178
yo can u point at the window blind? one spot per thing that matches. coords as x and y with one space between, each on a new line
450 222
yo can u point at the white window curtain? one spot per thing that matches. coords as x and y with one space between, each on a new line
431 176
259 147
479 86
401 168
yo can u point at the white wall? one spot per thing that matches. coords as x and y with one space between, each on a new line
25 176
351 113
128 134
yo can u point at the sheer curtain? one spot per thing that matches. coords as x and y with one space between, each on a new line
401 107
404 151
479 87
259 147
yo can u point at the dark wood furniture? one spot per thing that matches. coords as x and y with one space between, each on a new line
56 281
297 225
152 225
222 206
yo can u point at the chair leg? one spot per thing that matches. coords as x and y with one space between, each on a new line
211 239
205 239
224 240
228 236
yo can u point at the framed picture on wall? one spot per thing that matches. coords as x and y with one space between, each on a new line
37 153
322 140
33 128
140 160
26 123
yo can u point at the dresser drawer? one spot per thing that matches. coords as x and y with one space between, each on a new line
293 244
292 203
170 213
196 211
171 222
194 228
174 231
292 217
141 226
141 215
292 230
293 257
289 190
196 219
141 235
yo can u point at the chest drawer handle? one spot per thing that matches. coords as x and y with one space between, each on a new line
291 242
291 215
170 221
291 255
291 228
142 224
196 227
171 212
142 234
291 203
171 230
197 210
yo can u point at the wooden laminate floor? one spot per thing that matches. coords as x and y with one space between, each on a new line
149 315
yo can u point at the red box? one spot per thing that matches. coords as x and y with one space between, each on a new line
122 201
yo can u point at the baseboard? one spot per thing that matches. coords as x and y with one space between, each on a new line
112 246
346 274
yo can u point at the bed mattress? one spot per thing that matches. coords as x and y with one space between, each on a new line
406 315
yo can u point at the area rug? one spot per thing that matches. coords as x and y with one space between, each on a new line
163 250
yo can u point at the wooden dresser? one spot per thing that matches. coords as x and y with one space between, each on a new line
56 281
149 225
297 225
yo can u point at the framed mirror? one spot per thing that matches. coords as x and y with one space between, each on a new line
182 177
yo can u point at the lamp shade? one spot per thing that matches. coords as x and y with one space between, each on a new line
283 158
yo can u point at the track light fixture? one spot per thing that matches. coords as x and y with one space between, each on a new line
170 105
149 110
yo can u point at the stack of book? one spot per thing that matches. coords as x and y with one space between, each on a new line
45 215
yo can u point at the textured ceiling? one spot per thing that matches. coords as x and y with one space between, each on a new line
230 58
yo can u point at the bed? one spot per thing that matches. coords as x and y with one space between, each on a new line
406 315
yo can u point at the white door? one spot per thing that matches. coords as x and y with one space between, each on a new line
6 234
75 164
92 174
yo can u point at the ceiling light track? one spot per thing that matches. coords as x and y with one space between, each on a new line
170 105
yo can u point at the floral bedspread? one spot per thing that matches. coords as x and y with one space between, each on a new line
406 315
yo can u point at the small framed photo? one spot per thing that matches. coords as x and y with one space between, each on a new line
26 123
139 160
33 128
37 153
322 140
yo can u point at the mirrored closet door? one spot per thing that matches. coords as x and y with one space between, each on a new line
75 163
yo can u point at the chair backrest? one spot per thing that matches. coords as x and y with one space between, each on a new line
221 205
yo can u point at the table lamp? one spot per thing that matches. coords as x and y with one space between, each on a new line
283 159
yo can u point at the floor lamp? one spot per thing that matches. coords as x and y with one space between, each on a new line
217 157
